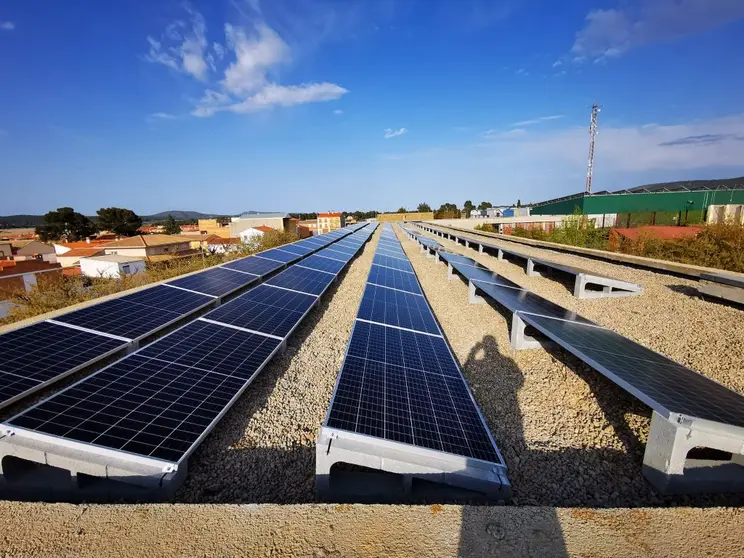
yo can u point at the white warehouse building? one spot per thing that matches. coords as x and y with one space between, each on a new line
111 266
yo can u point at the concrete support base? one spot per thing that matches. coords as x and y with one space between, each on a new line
519 339
665 462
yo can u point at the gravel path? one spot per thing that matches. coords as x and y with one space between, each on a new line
263 450
569 436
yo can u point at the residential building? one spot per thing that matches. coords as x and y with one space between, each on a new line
330 221
111 266
309 225
152 247
254 233
414 216
279 221
217 245
61 248
6 251
23 275
34 250
71 258
213 227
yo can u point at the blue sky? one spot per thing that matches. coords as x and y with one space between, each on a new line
311 105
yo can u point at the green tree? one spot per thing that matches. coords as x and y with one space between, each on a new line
121 221
402 210
467 207
424 208
65 223
171 227
485 205
447 211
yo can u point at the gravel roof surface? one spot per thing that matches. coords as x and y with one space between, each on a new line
569 436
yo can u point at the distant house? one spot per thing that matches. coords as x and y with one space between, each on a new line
34 250
309 225
153 247
112 266
6 251
330 221
22 275
61 248
72 257
218 245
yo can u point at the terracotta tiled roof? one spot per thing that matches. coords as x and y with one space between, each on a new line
82 244
217 239
142 241
263 229
82 252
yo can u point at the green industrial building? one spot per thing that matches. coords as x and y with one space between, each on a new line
663 202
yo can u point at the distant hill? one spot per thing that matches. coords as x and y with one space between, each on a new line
30 221
178 215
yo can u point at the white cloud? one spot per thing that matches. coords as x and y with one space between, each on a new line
611 33
557 63
537 120
522 72
7 25
188 56
712 143
253 58
219 50
389 133
499 135
162 116
338 111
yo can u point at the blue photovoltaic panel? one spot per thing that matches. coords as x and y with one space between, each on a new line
216 281
323 264
265 309
525 301
255 265
139 405
481 273
134 316
280 255
304 280
213 347
394 263
40 353
393 279
350 251
387 390
335 255
397 308
297 249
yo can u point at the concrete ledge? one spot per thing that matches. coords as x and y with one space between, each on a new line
719 290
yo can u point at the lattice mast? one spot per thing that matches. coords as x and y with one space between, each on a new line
592 140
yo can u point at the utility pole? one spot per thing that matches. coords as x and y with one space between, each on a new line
592 139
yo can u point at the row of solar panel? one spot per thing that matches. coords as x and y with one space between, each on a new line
663 384
399 380
161 401
40 354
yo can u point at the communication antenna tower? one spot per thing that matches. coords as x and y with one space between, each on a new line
592 139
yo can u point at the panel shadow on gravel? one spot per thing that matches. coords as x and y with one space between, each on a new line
221 471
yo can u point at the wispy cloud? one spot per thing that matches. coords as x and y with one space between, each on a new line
249 58
7 25
162 116
504 135
338 111
522 72
612 33
702 144
182 47
390 133
537 120
557 63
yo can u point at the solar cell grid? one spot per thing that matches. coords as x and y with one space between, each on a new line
323 264
265 309
39 353
255 265
297 249
280 255
335 255
397 308
216 281
394 263
302 280
663 384
393 279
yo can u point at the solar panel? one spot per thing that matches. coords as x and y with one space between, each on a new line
297 249
265 309
38 354
323 264
213 347
525 301
303 280
393 279
132 320
216 281
280 255
335 255
349 251
481 273
255 265
397 308
405 387
394 263
661 383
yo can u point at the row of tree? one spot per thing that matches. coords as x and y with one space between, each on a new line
66 223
